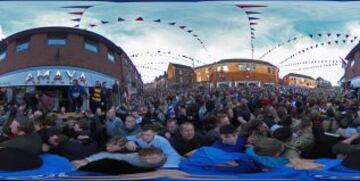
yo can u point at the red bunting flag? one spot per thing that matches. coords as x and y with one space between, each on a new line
139 19
76 13
253 23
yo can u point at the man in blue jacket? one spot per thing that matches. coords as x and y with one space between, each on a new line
76 93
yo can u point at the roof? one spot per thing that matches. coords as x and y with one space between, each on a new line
299 75
351 54
239 60
62 29
181 66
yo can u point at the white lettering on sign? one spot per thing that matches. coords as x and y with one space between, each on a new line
29 77
82 77
45 75
70 74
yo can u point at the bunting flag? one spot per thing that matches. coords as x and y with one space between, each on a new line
313 36
120 19
253 18
104 22
250 6
182 27
173 23
157 21
189 31
92 25
139 19
252 21
80 7
77 13
76 19
343 63
252 12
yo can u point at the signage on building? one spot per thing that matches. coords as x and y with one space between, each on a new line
54 76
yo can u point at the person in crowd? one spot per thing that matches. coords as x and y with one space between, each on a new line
172 129
76 94
96 97
23 136
130 127
113 124
230 140
188 140
148 138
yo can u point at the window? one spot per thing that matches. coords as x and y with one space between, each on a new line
269 70
91 46
274 70
218 68
248 67
241 67
180 72
111 56
254 67
207 70
22 45
2 54
56 39
225 68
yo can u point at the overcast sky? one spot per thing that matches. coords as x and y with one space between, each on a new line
221 26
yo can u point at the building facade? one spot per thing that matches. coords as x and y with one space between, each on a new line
322 83
179 76
352 68
299 80
237 72
54 56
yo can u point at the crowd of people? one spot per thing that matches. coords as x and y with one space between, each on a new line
270 126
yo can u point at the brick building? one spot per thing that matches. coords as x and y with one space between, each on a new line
51 57
299 80
237 72
179 75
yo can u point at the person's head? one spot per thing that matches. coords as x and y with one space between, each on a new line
148 132
269 147
130 122
21 125
81 125
222 120
282 133
111 113
62 110
228 135
187 130
153 156
344 123
172 126
116 143
97 84
286 121
57 139
75 82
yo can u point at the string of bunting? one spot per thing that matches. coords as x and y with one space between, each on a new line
308 62
312 67
168 54
252 21
314 46
312 36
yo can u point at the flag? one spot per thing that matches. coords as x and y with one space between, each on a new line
329 34
139 19
252 12
253 18
173 23
76 19
250 6
189 31
81 7
252 23
104 22
76 13
338 35
120 19
182 27
343 63
157 21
